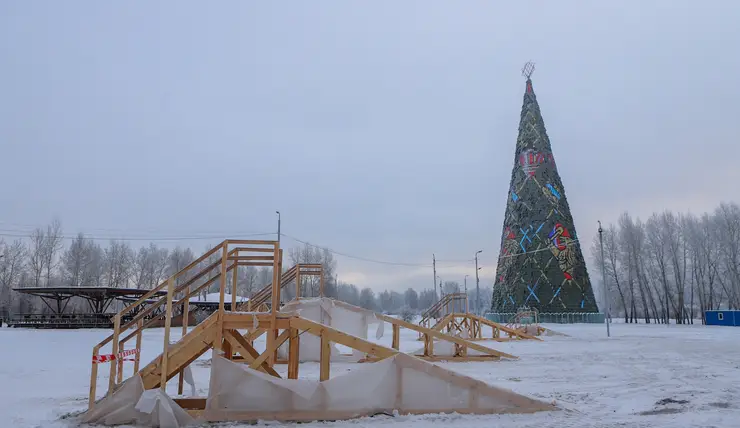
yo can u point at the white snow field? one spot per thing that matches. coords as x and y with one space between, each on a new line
643 376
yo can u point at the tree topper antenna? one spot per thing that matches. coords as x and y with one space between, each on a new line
528 69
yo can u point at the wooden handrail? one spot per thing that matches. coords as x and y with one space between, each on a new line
146 296
162 300
194 292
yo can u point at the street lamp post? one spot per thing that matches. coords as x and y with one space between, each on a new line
603 276
278 213
477 284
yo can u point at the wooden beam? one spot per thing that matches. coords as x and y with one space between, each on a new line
251 258
342 338
294 342
167 325
325 360
217 345
247 351
269 351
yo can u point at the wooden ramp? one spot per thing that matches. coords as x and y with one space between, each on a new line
448 347
470 326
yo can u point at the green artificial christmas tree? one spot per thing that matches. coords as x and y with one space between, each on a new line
540 264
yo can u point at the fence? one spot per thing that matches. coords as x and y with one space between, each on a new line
553 318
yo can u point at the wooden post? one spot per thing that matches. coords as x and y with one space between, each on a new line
324 370
137 356
272 333
217 343
294 342
185 323
167 325
396 336
114 345
321 282
298 282
93 377
228 351
119 364
428 345
234 279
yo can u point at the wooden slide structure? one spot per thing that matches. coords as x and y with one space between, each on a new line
450 315
222 333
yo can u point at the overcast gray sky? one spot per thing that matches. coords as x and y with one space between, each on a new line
381 129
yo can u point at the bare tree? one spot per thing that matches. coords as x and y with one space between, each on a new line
82 263
52 246
119 258
11 270
727 217
37 261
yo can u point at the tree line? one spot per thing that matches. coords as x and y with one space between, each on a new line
671 266
43 260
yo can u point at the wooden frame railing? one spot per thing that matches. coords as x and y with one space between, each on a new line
444 306
240 256
296 272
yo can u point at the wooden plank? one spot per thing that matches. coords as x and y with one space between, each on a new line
197 332
342 338
251 258
396 336
253 249
251 242
182 354
245 320
191 403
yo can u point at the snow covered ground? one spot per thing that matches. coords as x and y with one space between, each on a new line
643 376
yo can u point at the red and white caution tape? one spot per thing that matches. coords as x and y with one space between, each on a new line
112 357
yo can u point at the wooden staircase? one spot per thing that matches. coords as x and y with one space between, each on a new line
445 306
296 272
180 354
175 300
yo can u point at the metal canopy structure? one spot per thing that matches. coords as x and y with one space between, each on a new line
99 298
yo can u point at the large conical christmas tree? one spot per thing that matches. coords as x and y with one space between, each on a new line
540 263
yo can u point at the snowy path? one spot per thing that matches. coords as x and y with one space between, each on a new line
601 382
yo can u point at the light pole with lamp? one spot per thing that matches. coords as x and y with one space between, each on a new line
278 213
477 284
603 275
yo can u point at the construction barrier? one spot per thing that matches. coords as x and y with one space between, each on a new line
113 357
